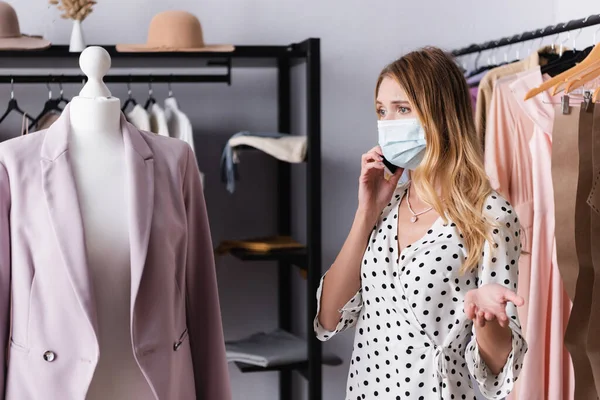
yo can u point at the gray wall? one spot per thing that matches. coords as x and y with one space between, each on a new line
358 38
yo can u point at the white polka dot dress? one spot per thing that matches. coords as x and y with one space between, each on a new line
413 339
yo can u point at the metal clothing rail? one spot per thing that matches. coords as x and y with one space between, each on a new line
530 35
69 78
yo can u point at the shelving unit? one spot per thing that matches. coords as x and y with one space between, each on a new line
305 53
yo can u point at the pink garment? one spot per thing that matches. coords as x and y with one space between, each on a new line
508 165
549 306
46 296
517 160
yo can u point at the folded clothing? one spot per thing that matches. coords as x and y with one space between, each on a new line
282 146
290 149
259 245
267 349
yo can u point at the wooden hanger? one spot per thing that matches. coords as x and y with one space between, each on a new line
561 86
580 81
572 80
585 65
592 72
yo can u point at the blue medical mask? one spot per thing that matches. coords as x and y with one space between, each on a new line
402 142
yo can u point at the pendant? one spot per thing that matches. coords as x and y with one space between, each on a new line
413 219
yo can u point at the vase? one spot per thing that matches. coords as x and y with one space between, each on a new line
77 43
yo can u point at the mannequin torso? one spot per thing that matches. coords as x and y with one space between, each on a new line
96 153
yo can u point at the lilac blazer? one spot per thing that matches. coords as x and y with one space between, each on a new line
48 328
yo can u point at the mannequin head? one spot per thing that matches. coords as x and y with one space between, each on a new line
95 111
428 85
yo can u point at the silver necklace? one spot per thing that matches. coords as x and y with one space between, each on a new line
415 216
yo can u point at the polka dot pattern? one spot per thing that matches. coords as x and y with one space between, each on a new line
413 340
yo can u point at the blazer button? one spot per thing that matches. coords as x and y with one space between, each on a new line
177 345
49 356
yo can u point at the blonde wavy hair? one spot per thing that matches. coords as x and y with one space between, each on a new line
453 161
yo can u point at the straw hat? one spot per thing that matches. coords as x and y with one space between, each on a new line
11 37
174 31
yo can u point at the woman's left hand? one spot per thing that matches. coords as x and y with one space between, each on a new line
488 303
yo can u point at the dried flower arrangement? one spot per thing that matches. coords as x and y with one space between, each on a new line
77 10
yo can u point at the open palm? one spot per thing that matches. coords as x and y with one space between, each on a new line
488 303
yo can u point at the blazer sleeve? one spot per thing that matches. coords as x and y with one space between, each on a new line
4 274
202 298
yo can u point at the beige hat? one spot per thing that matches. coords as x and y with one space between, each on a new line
174 31
11 37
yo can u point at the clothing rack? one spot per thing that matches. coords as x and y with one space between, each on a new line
530 35
21 79
283 58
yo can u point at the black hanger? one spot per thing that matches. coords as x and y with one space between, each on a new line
13 105
151 100
566 61
49 106
130 99
61 99
479 70
483 68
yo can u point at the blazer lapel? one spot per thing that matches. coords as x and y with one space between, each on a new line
65 214
140 184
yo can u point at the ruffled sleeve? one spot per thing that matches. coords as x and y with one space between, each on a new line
349 314
500 265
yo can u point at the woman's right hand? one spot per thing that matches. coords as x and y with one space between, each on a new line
374 191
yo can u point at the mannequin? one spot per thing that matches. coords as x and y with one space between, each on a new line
97 155
108 288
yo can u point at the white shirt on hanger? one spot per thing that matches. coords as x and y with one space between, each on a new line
158 120
178 123
138 117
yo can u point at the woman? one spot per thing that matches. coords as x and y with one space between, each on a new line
428 273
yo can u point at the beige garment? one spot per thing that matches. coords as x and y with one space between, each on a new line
565 171
46 121
290 149
593 344
577 329
575 272
486 86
